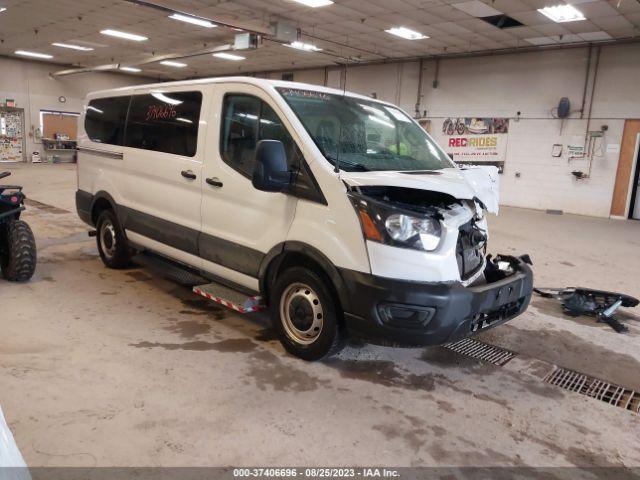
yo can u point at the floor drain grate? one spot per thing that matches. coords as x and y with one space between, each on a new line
592 387
481 351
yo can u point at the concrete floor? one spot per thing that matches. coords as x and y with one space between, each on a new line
122 368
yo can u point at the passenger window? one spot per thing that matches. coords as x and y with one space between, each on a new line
165 122
105 119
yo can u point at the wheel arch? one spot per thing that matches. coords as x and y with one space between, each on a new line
287 254
102 201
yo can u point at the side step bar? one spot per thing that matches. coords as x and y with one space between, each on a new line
169 269
229 298
214 291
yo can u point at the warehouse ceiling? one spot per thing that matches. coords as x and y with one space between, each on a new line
346 31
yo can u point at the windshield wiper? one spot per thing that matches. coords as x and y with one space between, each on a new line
355 165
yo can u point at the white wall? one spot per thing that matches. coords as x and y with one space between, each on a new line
532 83
30 85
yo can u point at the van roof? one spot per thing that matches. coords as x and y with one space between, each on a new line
260 82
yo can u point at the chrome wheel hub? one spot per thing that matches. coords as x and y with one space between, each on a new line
301 313
108 239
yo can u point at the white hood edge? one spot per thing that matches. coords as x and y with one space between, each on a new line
480 182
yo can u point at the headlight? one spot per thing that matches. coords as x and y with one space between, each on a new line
385 224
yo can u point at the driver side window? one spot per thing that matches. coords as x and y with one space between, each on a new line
246 120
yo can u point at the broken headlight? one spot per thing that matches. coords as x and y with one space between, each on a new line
396 227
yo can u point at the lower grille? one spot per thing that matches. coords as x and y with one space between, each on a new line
592 387
487 319
481 351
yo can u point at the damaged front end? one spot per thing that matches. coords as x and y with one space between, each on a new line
431 279
426 221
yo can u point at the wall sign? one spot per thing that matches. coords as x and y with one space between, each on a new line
476 141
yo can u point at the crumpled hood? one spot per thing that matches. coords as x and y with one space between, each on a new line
463 184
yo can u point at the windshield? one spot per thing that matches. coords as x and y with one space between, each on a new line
363 135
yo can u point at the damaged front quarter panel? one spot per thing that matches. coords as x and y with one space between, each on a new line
457 254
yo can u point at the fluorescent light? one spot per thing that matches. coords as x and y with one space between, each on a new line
228 56
125 35
193 20
2 9
162 97
315 3
72 47
562 13
169 63
307 47
406 33
184 120
130 69
26 53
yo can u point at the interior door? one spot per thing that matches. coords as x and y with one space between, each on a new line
163 190
239 223
635 206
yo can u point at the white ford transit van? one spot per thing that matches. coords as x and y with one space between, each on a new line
340 212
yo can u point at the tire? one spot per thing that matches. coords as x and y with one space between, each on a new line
18 261
306 315
113 246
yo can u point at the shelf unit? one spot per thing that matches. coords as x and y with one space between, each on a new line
59 151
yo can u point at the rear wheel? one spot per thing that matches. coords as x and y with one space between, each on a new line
18 257
113 246
305 314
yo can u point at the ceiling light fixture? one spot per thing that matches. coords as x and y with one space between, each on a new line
562 13
26 53
130 69
315 3
193 20
72 47
2 9
406 33
125 35
228 56
169 63
307 47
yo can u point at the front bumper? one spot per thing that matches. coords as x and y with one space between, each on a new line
398 312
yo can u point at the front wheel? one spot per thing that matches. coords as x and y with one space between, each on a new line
18 253
113 246
306 315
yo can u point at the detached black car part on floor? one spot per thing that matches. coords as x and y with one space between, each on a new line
585 301
17 244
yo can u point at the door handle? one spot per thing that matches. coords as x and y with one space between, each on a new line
188 174
214 182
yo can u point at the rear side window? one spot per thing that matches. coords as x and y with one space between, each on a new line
246 121
165 122
105 119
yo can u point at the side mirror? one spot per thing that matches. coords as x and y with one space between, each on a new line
271 173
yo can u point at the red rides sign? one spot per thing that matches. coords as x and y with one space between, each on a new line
475 141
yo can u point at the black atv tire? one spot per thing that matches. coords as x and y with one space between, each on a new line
18 260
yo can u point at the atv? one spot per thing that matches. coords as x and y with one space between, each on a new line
17 244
